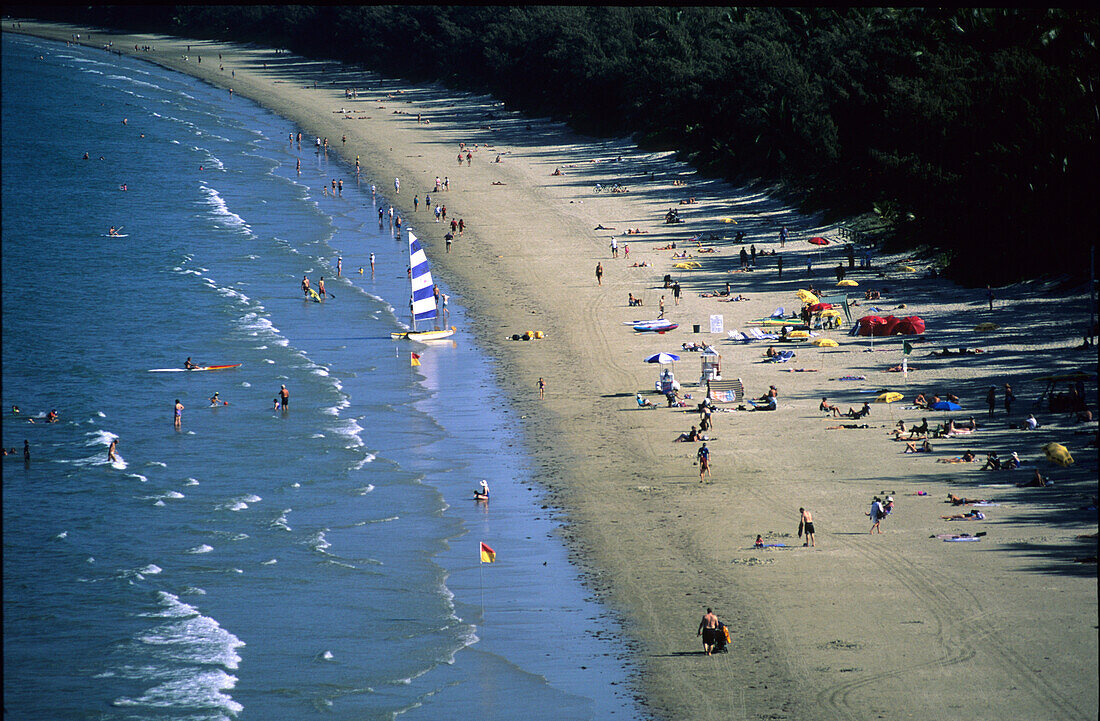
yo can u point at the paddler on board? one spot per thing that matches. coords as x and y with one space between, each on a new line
188 365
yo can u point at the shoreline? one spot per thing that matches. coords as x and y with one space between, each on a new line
627 491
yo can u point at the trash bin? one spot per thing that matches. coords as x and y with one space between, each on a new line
695 328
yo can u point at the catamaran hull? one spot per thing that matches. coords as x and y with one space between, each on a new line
423 336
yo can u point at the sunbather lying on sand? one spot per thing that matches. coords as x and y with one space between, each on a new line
971 515
730 300
689 437
847 426
639 231
967 457
601 227
959 501
1036 481
911 447
864 411
681 255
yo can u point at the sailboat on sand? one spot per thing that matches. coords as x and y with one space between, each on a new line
423 299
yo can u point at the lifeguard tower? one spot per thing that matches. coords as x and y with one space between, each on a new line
711 361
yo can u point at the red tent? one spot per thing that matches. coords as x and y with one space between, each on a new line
818 240
913 325
872 325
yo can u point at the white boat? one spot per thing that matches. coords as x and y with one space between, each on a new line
422 304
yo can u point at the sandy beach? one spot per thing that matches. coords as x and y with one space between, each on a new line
897 625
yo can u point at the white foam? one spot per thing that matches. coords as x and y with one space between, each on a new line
364 490
318 542
160 503
221 212
62 535
270 562
295 485
138 476
281 521
366 459
246 384
150 570
101 414
191 482
204 548
157 463
350 429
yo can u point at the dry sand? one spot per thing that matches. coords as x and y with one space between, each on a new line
899 625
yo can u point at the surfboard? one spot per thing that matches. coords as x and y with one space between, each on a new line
200 368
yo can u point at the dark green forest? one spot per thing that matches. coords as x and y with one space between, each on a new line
970 131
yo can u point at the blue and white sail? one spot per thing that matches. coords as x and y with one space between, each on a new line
423 297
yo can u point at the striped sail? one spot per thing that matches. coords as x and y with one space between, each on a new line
423 300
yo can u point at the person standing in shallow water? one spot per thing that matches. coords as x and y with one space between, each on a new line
178 419
284 398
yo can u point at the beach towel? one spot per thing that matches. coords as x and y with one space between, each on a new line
781 357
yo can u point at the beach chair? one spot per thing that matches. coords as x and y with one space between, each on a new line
738 337
726 391
758 334
643 402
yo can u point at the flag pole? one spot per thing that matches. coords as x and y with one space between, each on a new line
481 582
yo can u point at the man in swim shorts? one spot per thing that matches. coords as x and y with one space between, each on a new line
806 525
284 397
708 629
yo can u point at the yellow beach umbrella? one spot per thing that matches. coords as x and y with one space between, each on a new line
848 283
889 397
807 297
986 326
825 343
1057 453
729 220
909 269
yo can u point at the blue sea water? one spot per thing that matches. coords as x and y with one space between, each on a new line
319 563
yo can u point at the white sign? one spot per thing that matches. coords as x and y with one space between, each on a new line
716 324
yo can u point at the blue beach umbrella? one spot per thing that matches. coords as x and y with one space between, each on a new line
662 358
946 406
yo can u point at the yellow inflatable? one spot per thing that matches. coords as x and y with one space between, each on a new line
1057 453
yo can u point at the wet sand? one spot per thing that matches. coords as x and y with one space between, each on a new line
898 625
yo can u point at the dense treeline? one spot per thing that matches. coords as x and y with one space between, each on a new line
970 130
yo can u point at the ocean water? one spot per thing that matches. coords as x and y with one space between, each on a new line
318 563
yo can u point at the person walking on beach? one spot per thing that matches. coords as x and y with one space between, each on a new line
991 399
806 525
178 419
676 292
703 457
1009 397
396 185
708 629
779 265
542 389
752 255
614 248
783 236
989 295
416 203
876 513
661 305
599 273
284 398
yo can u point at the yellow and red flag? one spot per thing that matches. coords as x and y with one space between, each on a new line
488 555
414 359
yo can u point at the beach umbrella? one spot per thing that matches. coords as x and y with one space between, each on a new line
818 240
662 358
807 297
825 343
909 269
729 220
889 397
946 406
1057 453
848 283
